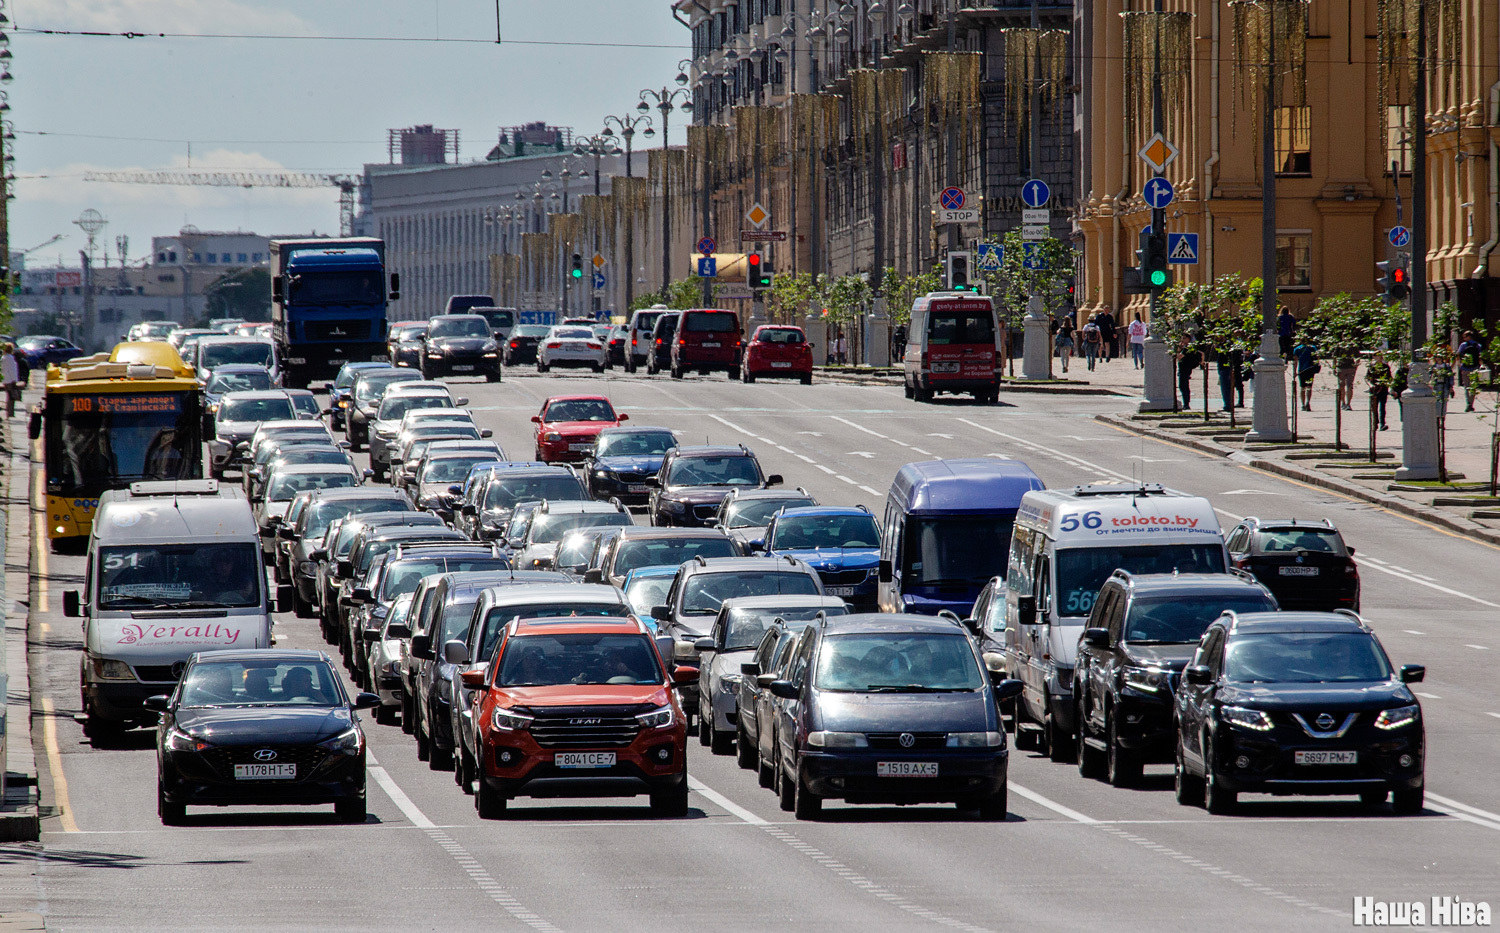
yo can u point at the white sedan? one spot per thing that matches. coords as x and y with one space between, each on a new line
571 345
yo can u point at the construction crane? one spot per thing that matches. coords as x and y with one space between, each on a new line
346 185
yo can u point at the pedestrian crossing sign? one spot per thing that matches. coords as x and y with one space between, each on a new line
1182 249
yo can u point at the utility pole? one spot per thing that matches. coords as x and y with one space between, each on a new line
1419 418
664 101
626 127
1269 416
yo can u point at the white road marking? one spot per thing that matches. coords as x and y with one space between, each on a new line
730 424
1246 492
1154 459
1496 715
813 433
1463 811
862 453
724 803
860 427
1478 647
1051 804
1412 631
1427 696
823 468
944 436
846 479
870 491
398 796
804 458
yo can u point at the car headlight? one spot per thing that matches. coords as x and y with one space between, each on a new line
1150 679
552 436
308 568
507 721
490 346
675 506
822 739
110 669
348 742
658 718
1398 717
444 689
1248 718
974 739
179 741
730 683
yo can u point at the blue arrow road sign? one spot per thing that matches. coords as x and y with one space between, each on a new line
708 267
1400 236
706 246
991 256
598 279
953 199
1182 248
1158 193
1031 256
1035 193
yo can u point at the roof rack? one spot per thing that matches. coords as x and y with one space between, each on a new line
174 487
1120 489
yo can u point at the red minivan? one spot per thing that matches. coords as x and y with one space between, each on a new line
951 347
706 340
778 351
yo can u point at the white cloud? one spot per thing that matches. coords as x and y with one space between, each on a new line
180 16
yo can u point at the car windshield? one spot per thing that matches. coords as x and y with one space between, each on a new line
530 330
747 626
710 322
571 333
754 513
779 335
1286 540
504 492
347 376
644 592
260 683
308 454
964 551
452 469
1082 571
825 531
320 516
257 380
282 488
1181 619
170 576
402 576
634 444
306 405
497 318
956 327
664 326
579 409
337 288
158 328
407 331
371 387
392 409
634 554
547 660
1306 658
501 616
219 352
915 663
704 592
469 326
271 408
458 612
549 529
714 471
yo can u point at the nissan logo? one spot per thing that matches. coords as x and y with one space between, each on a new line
265 754
907 740
1324 721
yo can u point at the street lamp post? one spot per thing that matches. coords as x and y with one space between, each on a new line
625 126
664 100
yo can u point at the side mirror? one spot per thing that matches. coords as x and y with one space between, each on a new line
622 417
973 625
474 680
361 594
750 669
1026 610
34 426
370 634
421 647
1008 690
884 571
682 674
1413 673
706 643
72 604
455 652
661 613
764 681
366 701
469 510
461 401
593 575
486 432
343 568
536 419
994 662
783 689
395 285
1351 550
773 480
654 482
157 704
368 473
455 490
319 554
328 387
1198 675
1096 637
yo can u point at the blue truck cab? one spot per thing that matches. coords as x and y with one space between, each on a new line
328 304
947 532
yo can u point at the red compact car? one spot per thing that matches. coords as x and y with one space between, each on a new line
569 424
778 351
579 707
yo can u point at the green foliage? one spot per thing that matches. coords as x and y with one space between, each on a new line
790 297
845 297
1222 315
7 315
1343 327
245 293
902 291
679 296
1012 285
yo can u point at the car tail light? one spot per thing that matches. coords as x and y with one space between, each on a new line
553 346
513 344
682 341
592 346
633 341
658 341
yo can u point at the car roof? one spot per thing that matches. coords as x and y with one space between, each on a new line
1288 524
239 368
772 492
206 509
967 485
574 398
580 506
599 593
821 511
585 625
1285 623
636 429
889 623
788 601
262 654
459 316
255 393
741 564
363 492
711 450
296 468
1195 583
656 532
504 579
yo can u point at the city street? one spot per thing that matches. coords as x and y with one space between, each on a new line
1073 854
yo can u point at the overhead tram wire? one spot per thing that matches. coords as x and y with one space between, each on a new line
131 34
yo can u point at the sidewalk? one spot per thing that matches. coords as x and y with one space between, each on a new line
19 813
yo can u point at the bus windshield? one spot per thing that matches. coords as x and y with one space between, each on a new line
341 288
167 576
109 441
956 551
1081 571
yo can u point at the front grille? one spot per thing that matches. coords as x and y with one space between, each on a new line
587 726
892 740
157 673
336 330
844 577
705 513
305 757
630 477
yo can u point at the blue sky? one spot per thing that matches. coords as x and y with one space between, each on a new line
293 105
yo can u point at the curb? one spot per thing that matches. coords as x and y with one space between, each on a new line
1010 384
20 819
1312 478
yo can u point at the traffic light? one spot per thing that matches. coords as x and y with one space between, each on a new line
577 271
1155 273
759 274
958 273
1394 280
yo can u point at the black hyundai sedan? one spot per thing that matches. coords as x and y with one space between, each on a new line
1297 703
266 727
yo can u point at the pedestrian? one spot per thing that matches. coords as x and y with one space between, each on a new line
1378 377
10 375
1442 377
1469 352
1242 371
1308 368
1188 361
1224 363
1109 340
1286 329
23 368
1092 341
1346 368
1138 342
898 343
1063 341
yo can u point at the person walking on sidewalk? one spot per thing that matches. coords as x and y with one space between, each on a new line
1347 368
1286 329
10 374
1091 341
1109 338
1308 368
1138 342
1187 363
1378 376
1063 341
1468 368
1224 364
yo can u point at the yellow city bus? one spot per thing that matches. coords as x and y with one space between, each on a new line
109 420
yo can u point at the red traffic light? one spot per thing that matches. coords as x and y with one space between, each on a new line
1398 275
754 260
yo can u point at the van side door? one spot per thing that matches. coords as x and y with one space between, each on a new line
1034 638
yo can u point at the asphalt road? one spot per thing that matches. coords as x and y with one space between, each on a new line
1073 853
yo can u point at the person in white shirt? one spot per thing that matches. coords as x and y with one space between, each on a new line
10 375
1138 342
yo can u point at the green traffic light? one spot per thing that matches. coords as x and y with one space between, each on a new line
1158 277
577 273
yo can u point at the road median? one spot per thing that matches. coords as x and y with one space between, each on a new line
20 811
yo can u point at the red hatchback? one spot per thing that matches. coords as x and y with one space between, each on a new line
777 351
707 340
569 424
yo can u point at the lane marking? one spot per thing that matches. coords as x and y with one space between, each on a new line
1496 715
732 426
1463 811
846 479
398 796
824 469
724 803
1381 566
1478 647
870 491
55 767
1412 631
1429 696
1051 804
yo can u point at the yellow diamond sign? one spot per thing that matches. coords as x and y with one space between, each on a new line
757 216
1158 153
598 261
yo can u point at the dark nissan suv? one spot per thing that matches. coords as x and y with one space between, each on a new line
693 481
460 345
1297 703
1140 635
1306 564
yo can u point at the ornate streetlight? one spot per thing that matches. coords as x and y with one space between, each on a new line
625 128
664 100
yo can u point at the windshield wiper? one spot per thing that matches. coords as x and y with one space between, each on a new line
142 602
912 688
1156 641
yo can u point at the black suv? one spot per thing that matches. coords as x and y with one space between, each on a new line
1297 703
659 353
1140 635
459 345
1306 564
693 481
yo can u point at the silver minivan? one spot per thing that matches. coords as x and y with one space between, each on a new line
173 568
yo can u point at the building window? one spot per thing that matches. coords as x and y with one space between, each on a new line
1293 141
257 257
242 258
197 258
1294 261
1397 148
172 256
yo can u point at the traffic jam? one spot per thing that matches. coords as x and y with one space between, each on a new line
562 621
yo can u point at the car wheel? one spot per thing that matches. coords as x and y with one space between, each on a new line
906 389
1374 798
1090 760
676 372
807 379
1188 788
1406 801
705 731
672 802
350 810
720 743
1216 798
540 366
407 715
465 771
1123 764
746 755
492 377
786 791
171 814
424 369
488 802
997 805
1026 739
439 759
1059 743
385 715
765 772
424 744
598 367
922 395
806 805
215 473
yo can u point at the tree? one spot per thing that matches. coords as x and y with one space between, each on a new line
1013 284
244 293
902 291
790 297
